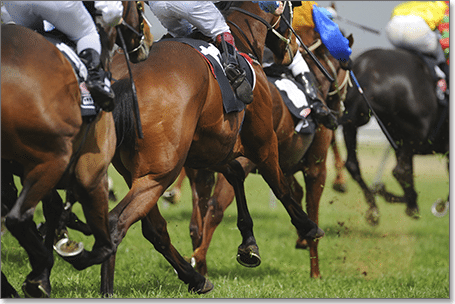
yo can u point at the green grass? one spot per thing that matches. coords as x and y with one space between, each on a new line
399 258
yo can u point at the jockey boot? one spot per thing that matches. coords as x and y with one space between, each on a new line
98 81
235 74
319 110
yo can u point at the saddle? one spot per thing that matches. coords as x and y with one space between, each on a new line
292 93
213 58
89 110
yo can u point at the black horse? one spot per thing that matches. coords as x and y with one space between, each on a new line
400 87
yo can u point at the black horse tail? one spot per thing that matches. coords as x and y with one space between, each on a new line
124 119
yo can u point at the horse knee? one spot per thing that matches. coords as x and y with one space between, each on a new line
13 220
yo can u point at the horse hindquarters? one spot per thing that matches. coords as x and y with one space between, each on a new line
171 110
40 120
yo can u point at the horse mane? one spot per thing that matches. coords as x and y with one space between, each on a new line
124 119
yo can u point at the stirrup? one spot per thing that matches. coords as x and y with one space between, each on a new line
238 81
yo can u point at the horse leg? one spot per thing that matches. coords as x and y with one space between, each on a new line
315 174
174 195
223 196
339 184
352 165
19 221
248 251
274 177
71 220
139 201
202 182
8 290
94 203
297 193
92 189
154 229
403 173
118 224
9 190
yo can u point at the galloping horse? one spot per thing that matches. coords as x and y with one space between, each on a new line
45 139
298 152
184 123
401 90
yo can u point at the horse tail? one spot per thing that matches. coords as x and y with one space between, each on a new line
123 115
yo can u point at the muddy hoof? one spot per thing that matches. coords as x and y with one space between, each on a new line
68 248
208 286
249 256
440 208
35 289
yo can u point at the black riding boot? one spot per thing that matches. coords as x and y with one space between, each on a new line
320 111
98 82
235 74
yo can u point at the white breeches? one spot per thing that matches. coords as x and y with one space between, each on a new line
179 17
69 17
412 32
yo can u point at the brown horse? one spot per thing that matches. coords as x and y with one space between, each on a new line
298 152
45 139
184 123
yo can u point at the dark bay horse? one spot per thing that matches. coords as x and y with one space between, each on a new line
46 142
297 152
184 124
401 90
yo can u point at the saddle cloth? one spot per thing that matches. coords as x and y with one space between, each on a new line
213 57
292 93
89 109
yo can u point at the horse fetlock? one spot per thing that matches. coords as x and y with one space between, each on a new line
413 212
36 288
372 216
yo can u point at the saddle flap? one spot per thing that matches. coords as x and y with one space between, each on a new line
88 107
213 58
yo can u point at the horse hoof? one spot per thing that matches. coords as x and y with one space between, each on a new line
372 217
208 286
314 234
34 289
340 188
249 256
440 208
413 213
68 248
